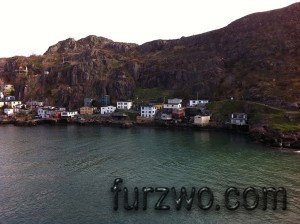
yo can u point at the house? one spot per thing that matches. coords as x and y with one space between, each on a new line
9 111
178 113
2 103
13 103
8 87
34 104
9 98
104 100
87 110
124 105
174 101
107 109
50 112
22 69
43 112
201 120
172 105
166 117
8 90
194 103
68 114
148 110
238 119
159 106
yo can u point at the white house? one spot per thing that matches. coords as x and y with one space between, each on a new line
107 110
238 119
197 102
8 87
174 101
9 111
50 112
68 114
43 112
201 120
172 105
124 105
148 110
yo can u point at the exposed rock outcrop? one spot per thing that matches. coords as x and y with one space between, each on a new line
255 58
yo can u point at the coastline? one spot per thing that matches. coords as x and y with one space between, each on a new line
262 135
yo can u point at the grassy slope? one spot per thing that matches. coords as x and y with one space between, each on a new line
145 95
258 114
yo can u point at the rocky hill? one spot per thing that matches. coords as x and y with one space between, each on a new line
254 58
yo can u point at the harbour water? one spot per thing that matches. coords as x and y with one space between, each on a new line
64 174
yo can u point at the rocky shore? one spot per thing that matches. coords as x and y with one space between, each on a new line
261 134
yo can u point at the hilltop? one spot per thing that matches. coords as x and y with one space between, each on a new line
254 58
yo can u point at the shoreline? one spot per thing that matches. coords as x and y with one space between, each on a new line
261 135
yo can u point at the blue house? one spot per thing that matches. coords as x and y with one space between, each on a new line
105 100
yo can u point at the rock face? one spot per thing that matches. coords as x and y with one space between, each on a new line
256 57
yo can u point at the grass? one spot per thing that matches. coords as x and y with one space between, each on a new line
146 95
275 118
222 109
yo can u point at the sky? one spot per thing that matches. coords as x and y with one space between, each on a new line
31 26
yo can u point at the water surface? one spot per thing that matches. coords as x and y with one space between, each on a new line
53 174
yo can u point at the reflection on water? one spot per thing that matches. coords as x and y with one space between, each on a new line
64 174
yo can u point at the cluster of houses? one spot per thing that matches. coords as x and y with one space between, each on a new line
173 110
8 101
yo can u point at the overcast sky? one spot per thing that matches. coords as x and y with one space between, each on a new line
31 26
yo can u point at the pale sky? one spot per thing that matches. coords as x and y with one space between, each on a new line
31 26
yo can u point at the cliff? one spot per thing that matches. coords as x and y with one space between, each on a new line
254 58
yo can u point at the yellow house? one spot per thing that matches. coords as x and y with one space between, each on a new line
87 110
159 106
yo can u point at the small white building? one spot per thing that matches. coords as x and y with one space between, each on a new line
68 114
174 101
9 111
107 110
172 105
124 105
238 119
193 103
201 120
148 110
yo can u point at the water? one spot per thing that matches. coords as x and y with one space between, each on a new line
52 174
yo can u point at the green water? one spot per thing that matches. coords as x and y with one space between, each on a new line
52 174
